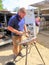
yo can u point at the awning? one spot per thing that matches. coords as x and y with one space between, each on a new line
42 5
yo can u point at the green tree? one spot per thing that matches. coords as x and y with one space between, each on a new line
1 5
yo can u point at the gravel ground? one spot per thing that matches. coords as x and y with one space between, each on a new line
6 53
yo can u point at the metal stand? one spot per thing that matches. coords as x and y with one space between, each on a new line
26 54
39 53
26 45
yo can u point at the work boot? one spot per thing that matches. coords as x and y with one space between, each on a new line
14 57
20 54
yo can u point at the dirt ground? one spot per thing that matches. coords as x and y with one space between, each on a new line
6 53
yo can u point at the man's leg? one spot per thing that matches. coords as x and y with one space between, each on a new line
37 30
16 46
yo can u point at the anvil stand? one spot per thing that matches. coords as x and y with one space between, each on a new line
30 50
26 46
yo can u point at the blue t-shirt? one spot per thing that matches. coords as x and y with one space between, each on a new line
16 23
0 25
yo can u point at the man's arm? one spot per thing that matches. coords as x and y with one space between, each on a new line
14 30
25 29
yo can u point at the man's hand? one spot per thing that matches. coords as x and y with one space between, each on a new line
20 33
14 30
27 35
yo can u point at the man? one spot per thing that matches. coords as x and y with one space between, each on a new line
17 26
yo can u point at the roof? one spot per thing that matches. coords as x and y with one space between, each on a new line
4 11
41 5
7 12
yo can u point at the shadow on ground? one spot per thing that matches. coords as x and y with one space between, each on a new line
43 40
4 59
6 47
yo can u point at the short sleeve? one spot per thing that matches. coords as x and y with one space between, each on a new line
11 22
24 20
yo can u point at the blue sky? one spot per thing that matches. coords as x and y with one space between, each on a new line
11 4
